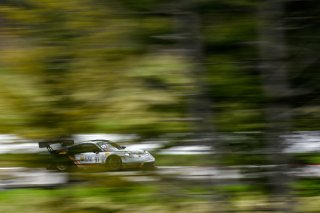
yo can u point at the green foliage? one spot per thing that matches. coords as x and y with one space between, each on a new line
24 160
308 187
104 66
85 72
184 160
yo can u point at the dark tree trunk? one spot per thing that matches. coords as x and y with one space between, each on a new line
188 24
274 73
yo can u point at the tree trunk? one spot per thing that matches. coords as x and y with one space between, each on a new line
274 71
188 23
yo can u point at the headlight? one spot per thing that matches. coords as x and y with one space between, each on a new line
127 154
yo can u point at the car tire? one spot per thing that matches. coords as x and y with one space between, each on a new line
62 165
114 163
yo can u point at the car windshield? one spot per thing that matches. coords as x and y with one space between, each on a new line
108 146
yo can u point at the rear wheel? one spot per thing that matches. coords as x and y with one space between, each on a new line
62 164
62 167
114 163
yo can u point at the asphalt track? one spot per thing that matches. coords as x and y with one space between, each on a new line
19 177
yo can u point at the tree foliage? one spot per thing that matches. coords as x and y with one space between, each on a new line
81 66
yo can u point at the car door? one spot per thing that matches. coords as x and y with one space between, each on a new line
86 153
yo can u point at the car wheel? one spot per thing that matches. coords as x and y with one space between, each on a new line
62 167
114 163
62 164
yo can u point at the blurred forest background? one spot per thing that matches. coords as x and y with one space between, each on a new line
173 69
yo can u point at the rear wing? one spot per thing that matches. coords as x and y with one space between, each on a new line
63 142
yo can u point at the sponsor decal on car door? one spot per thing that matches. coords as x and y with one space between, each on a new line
91 158
87 158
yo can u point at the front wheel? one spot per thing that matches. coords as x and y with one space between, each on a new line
114 163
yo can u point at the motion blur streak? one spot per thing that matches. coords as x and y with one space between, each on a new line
224 95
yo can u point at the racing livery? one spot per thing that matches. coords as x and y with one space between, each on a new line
96 153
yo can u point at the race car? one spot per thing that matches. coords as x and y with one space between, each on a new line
92 153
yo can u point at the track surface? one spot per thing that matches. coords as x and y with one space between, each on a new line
18 177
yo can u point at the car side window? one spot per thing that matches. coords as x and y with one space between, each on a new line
105 147
84 148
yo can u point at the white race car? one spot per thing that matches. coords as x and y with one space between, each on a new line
96 153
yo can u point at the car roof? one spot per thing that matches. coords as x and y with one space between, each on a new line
92 142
